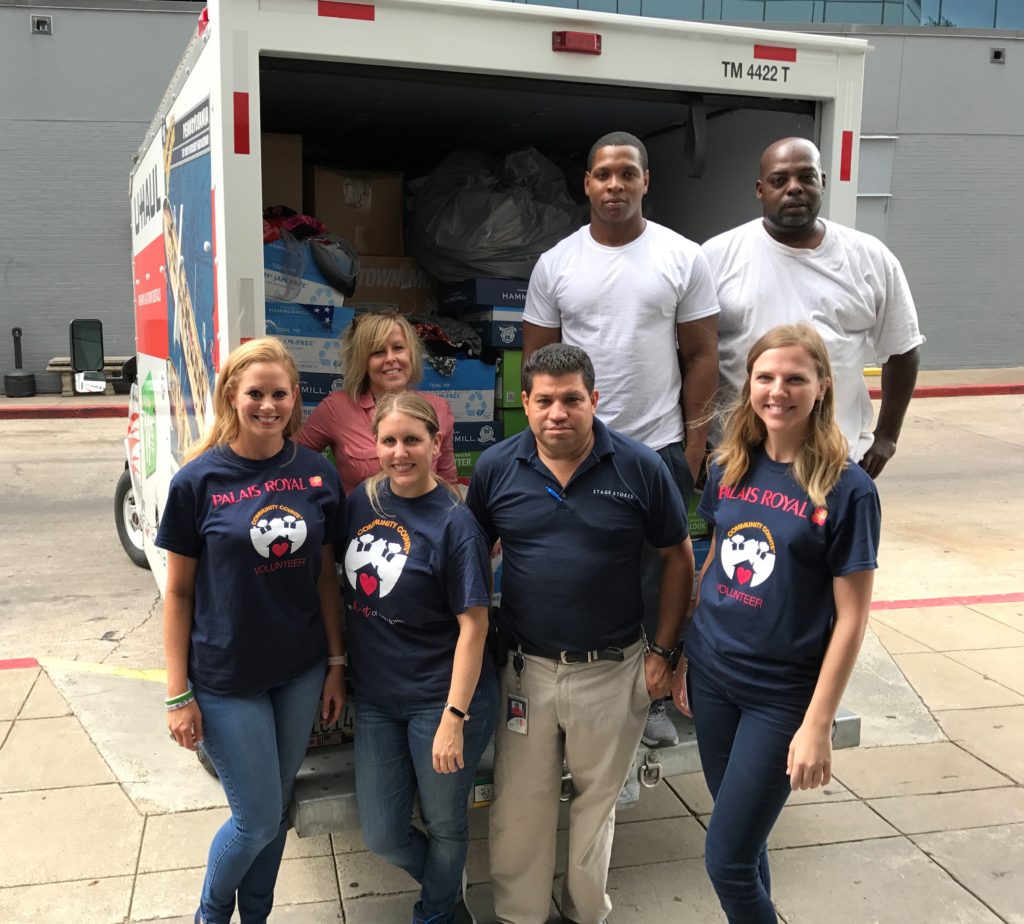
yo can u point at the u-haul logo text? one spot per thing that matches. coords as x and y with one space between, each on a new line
145 202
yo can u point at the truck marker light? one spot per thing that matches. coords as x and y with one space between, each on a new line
774 53
334 9
582 43
846 157
241 123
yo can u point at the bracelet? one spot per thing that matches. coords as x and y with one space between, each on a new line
337 660
179 701
456 711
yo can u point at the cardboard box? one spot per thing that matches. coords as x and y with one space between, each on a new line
288 319
508 390
499 326
364 208
469 390
701 548
476 437
282 170
315 386
485 292
512 421
469 442
315 354
695 523
468 374
394 283
290 274
465 462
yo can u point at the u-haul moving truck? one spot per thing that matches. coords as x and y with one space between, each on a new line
394 85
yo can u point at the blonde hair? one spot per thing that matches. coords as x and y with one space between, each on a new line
367 333
418 408
225 418
823 456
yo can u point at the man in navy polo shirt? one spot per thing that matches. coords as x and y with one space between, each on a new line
572 503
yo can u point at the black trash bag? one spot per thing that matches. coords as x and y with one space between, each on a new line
477 216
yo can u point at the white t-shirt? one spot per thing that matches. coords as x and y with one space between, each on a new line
850 287
622 305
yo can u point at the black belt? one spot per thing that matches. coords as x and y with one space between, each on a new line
612 652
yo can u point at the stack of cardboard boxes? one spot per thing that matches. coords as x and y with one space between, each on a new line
366 210
494 307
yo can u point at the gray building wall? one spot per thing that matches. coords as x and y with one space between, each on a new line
75 105
73 109
953 124
957 204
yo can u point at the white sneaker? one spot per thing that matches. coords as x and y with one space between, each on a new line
659 730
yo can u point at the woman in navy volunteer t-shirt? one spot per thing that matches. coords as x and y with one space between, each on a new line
252 629
782 609
417 587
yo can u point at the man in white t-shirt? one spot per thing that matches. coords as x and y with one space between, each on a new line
640 300
792 266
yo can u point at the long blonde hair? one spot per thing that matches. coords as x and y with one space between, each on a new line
225 418
367 333
822 458
418 408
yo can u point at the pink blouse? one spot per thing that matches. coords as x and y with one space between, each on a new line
347 427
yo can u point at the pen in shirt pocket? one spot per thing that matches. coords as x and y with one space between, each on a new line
558 497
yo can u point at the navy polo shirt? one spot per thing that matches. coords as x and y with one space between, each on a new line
571 578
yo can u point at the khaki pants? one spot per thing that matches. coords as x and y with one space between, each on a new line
593 715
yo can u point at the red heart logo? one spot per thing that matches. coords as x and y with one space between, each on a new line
368 583
279 548
743 575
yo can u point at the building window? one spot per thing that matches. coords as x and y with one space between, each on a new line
1010 14
968 13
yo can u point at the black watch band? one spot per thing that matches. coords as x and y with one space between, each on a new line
669 654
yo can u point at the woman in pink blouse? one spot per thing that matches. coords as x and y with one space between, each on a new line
379 353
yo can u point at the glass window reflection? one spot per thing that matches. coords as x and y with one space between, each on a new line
866 12
1010 14
789 11
968 13
672 9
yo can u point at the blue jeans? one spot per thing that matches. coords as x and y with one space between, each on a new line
257 744
650 557
743 742
394 746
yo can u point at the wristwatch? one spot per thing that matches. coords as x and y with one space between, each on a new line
669 654
455 711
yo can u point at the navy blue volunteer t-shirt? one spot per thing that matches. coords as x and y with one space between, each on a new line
257 528
766 606
571 556
409 572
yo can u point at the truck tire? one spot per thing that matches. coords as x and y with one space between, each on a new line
129 524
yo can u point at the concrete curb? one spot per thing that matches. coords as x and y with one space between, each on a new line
50 411
961 391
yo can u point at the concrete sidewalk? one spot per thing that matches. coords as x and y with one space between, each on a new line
103 820
928 832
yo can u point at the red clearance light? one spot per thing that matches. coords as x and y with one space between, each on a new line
581 43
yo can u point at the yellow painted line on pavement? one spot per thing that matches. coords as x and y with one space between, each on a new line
157 675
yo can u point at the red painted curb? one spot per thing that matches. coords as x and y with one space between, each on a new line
947 601
44 411
960 391
16 663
